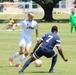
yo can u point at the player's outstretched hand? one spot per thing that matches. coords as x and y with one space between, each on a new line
65 59
31 53
37 39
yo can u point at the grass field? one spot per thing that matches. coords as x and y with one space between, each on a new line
9 45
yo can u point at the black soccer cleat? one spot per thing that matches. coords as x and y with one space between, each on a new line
20 72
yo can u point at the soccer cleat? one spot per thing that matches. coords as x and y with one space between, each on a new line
20 72
52 71
18 65
10 61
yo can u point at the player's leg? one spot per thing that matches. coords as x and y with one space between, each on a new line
27 64
13 57
21 52
35 56
8 25
54 60
22 49
25 53
11 25
26 44
71 29
75 28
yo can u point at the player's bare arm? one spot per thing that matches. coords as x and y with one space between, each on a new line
36 31
36 46
61 53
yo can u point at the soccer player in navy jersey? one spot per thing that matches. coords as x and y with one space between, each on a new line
48 41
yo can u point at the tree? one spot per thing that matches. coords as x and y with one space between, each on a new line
47 6
8 0
1 6
74 2
11 0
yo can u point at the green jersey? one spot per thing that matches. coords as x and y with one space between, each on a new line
73 19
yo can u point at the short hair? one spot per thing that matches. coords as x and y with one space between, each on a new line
10 18
73 9
54 28
29 13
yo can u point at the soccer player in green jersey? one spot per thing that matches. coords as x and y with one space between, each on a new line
72 20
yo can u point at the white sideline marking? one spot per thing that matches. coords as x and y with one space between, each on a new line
8 30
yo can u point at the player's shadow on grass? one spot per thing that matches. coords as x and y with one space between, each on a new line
37 72
8 66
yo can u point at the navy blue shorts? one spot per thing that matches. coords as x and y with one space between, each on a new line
43 52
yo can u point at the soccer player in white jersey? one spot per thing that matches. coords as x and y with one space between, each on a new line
25 39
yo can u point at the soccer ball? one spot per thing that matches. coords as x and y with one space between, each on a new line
38 63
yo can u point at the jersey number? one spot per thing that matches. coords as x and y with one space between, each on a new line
50 37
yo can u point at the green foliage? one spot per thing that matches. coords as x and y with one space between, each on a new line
26 0
48 1
11 0
42 1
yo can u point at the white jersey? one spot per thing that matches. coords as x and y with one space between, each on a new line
28 27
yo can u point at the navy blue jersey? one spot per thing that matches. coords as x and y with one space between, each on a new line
50 40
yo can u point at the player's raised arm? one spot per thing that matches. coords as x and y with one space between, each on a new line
61 53
36 46
14 26
36 31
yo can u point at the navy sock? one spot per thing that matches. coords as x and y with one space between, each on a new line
26 65
54 60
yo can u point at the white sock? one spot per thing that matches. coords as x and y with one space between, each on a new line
15 55
21 59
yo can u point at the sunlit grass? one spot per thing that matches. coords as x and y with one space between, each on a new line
9 45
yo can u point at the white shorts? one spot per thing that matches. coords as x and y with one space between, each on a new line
25 41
